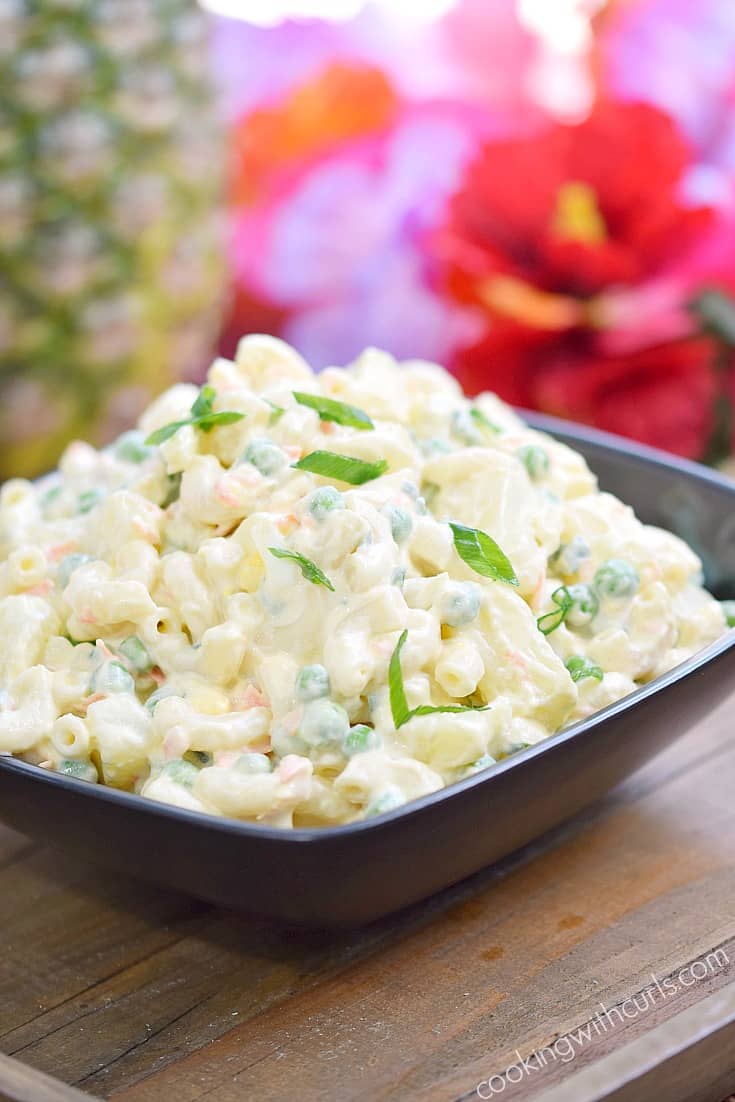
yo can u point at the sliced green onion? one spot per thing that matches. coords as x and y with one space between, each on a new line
204 401
483 421
580 667
728 608
399 705
309 570
212 420
552 620
201 418
482 554
160 436
345 468
331 410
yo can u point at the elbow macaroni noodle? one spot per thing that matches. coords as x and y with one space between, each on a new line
151 639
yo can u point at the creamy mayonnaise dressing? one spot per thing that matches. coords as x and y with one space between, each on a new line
199 620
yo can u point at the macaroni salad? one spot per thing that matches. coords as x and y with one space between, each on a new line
306 599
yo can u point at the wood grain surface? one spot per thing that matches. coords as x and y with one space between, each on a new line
127 991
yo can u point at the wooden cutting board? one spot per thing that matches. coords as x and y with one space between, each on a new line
127 991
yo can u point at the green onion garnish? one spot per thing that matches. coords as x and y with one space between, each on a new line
309 570
482 554
552 620
580 667
483 421
331 410
202 418
398 703
345 468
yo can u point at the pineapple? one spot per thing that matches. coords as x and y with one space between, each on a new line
111 262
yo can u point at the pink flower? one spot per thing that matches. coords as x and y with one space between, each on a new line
341 243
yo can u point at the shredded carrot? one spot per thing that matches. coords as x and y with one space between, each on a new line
61 550
42 588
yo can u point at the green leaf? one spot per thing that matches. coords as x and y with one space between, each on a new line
552 620
310 570
203 402
580 667
399 705
160 436
484 422
331 410
728 608
345 468
210 420
482 554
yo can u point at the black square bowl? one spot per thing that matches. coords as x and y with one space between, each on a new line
347 875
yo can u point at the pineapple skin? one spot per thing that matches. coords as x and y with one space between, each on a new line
111 224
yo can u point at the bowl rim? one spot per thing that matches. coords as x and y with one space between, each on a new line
311 835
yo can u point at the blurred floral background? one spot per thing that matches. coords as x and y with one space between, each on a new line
538 193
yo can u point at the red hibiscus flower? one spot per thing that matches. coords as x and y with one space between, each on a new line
562 241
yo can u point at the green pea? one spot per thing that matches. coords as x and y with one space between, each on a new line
323 721
253 763
283 742
617 578
131 447
82 770
728 608
359 739
181 772
580 667
136 654
584 607
388 800
266 456
570 556
67 566
535 460
88 500
324 501
460 603
312 682
111 677
400 522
